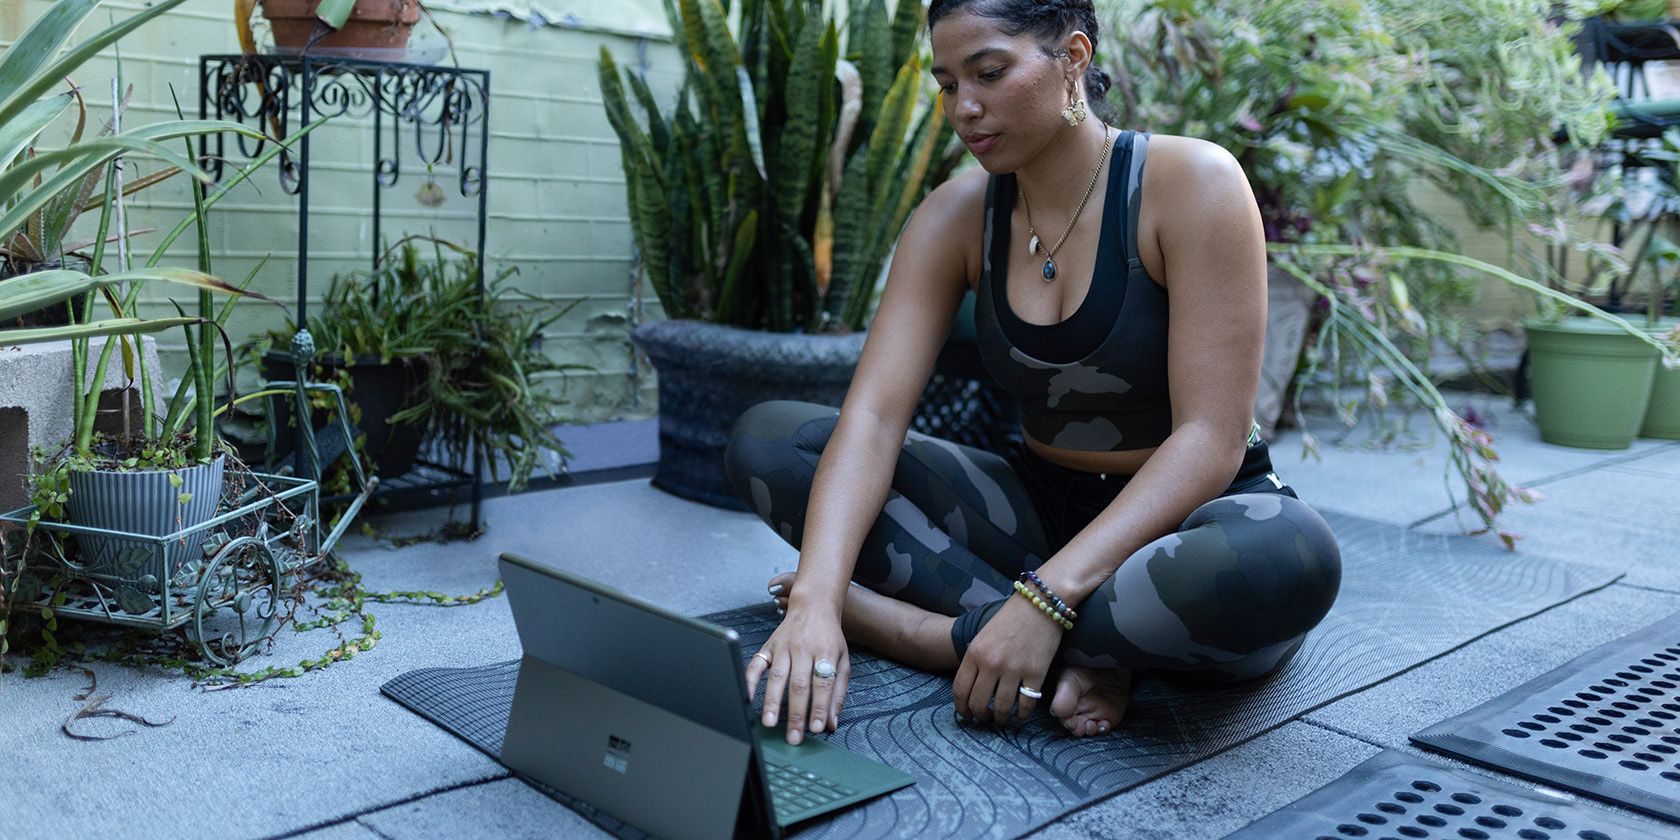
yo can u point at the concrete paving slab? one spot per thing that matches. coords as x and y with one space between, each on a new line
1224 793
1390 711
1402 478
1618 517
507 809
601 446
628 535
350 830
326 746
326 749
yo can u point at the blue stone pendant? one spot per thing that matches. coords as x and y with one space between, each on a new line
1049 270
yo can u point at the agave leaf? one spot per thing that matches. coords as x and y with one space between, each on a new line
120 326
671 286
827 100
90 154
851 226
918 162
657 129
886 142
798 149
17 135
228 184
730 298
870 44
23 79
906 25
30 292
40 41
132 187
803 272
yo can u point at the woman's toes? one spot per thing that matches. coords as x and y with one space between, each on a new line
780 585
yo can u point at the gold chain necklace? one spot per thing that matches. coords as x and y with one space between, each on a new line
1034 244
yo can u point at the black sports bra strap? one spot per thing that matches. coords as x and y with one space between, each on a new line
1134 194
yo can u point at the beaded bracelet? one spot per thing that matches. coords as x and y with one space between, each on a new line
1030 575
1049 611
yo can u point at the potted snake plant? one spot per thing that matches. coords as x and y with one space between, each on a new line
764 205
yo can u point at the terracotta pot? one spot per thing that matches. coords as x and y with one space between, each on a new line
373 24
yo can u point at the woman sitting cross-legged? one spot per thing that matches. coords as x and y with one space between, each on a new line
1120 282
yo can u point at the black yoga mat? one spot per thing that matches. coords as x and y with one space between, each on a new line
1406 598
1394 794
1606 724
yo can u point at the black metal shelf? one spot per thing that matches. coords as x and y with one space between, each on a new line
433 114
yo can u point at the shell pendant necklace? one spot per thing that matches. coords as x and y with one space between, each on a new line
1036 245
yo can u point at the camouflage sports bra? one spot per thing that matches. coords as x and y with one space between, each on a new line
1097 381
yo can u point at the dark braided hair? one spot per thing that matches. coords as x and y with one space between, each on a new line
1050 20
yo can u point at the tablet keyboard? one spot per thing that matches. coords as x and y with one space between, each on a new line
794 791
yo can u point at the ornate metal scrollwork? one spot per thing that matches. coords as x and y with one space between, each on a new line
433 111
238 601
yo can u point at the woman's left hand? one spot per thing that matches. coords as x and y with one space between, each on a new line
1015 648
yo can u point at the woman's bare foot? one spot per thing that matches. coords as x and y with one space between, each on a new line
898 629
1091 701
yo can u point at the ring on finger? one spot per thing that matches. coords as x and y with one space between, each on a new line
823 669
760 655
1030 693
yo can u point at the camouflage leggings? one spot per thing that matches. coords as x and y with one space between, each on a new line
1230 595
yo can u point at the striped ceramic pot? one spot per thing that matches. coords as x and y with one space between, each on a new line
147 503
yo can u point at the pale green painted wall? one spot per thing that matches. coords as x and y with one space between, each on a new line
556 196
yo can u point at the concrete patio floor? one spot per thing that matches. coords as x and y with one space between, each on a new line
326 757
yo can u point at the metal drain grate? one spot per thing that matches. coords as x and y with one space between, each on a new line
1606 724
1393 796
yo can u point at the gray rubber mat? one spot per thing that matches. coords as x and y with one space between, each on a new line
1406 598
1606 724
1395 795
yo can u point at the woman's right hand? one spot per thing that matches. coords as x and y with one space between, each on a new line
807 634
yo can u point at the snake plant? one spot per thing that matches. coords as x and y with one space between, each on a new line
770 196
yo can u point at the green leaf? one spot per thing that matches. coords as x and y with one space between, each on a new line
851 227
23 79
870 44
141 141
906 26
886 142
334 13
730 298
796 159
16 135
749 115
40 42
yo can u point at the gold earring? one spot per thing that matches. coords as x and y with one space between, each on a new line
1074 113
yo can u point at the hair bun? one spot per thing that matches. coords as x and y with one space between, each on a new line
1097 83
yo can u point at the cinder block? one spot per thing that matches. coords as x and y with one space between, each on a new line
36 388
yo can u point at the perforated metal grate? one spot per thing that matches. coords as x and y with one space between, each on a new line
971 412
1606 724
1394 796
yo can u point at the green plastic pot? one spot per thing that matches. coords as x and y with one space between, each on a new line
1591 382
1662 416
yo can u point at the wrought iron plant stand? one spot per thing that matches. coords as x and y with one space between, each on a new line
434 113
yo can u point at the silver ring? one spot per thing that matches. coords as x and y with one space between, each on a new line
824 669
1031 693
766 659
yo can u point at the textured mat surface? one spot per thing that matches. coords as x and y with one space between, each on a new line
1606 724
1406 598
1396 795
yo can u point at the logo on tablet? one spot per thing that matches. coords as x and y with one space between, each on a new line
618 754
